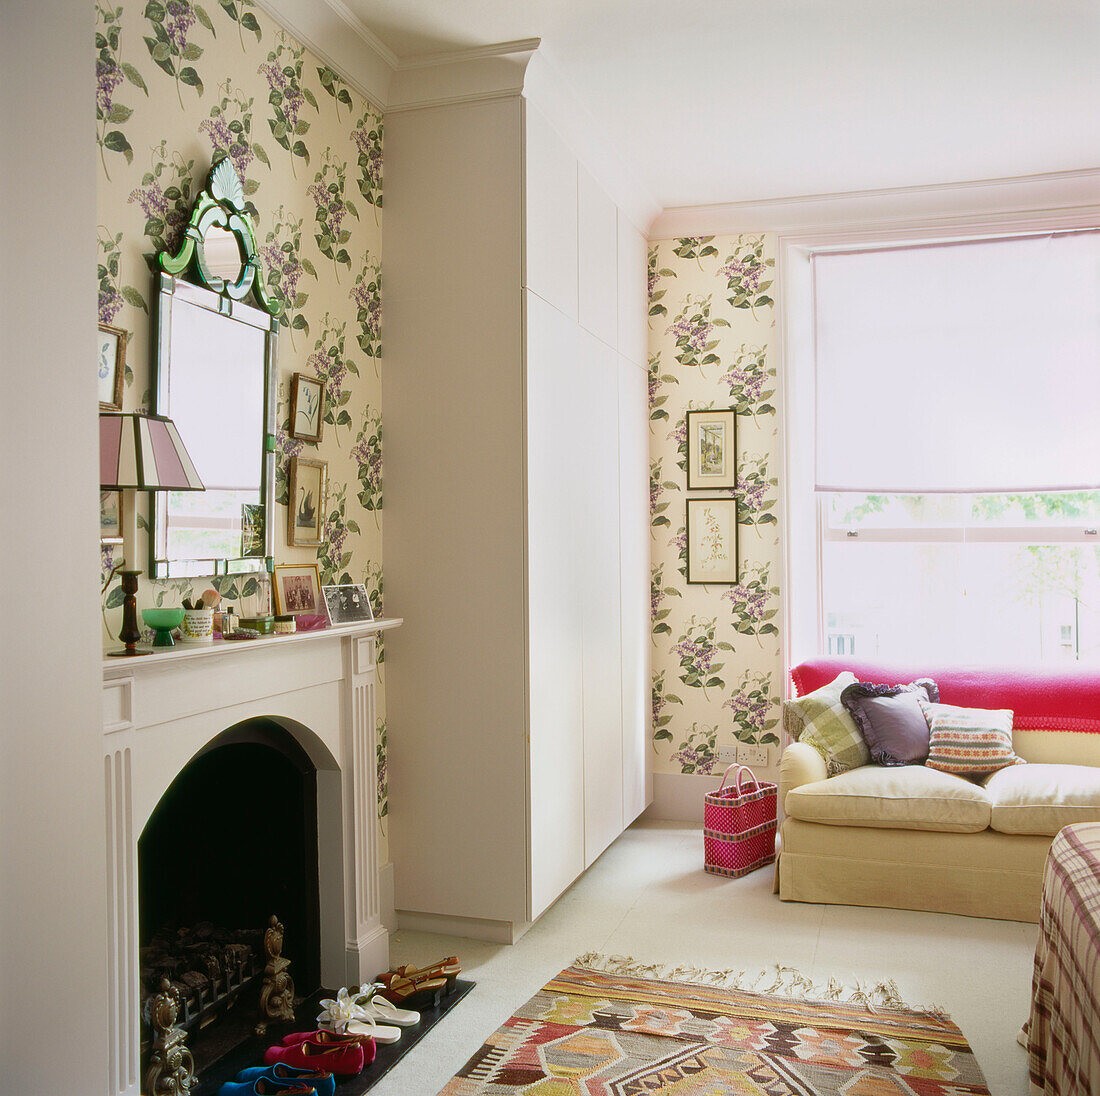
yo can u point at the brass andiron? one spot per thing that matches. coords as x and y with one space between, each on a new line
277 995
171 1070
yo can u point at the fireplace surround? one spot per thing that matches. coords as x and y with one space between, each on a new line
162 711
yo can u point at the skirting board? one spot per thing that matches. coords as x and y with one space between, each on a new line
678 797
470 928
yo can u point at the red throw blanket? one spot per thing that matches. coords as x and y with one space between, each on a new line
1041 699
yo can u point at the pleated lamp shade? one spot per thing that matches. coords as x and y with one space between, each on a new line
143 452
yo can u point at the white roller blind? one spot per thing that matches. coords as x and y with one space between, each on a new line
960 367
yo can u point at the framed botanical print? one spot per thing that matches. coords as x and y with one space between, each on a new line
307 407
712 540
111 366
298 589
305 517
712 449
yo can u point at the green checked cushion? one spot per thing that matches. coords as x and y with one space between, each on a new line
970 741
820 720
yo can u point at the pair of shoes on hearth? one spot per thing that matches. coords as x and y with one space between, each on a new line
280 1080
420 987
363 1012
330 1051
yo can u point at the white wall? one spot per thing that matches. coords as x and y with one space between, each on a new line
52 891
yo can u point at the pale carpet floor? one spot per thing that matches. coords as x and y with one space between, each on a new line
647 897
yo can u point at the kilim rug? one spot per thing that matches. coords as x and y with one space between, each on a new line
623 1031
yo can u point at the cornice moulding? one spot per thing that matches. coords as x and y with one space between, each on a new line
1076 193
447 57
463 77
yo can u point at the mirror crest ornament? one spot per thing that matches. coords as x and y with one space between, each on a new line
215 347
221 206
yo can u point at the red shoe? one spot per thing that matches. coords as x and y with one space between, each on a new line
344 1060
322 1036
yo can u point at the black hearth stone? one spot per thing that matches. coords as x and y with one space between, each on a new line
251 1051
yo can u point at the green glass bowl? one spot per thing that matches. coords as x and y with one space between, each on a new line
163 621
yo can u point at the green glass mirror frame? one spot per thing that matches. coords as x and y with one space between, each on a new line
221 204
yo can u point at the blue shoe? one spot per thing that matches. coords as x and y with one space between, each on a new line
279 1074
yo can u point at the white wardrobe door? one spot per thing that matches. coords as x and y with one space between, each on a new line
597 542
556 771
634 585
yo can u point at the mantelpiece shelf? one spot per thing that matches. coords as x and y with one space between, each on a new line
117 667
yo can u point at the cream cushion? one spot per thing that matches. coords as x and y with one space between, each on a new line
1041 799
909 797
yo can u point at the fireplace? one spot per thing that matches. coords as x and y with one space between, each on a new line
241 783
232 842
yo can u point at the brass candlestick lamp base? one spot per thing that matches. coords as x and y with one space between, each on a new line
130 632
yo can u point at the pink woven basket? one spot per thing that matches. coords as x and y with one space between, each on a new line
739 825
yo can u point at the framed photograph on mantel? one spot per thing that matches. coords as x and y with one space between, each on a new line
305 514
712 541
307 407
347 604
298 589
111 366
712 449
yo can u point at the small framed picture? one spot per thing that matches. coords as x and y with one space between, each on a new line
305 518
307 407
110 517
712 449
298 589
712 540
347 604
252 529
111 355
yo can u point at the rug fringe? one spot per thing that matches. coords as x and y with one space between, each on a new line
779 981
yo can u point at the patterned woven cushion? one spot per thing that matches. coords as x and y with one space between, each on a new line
970 741
820 720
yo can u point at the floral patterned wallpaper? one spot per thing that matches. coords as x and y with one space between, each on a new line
180 85
717 667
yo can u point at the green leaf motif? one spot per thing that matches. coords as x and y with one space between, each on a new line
190 77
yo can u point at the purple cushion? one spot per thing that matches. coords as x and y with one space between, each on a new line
891 719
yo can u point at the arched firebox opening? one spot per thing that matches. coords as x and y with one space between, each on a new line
232 842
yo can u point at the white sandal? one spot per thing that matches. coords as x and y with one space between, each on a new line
386 1011
354 1016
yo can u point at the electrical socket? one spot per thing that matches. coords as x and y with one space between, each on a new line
727 755
753 755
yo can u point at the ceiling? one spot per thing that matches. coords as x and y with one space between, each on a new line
717 101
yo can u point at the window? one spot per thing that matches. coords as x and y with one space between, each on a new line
956 454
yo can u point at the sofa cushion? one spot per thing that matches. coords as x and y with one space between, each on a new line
970 741
1042 799
906 797
891 719
820 720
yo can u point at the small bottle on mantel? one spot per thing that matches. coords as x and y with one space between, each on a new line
229 622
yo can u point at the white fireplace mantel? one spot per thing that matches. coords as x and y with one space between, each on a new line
160 710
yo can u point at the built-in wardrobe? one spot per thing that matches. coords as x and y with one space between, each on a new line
516 507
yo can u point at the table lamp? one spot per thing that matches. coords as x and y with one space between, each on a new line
139 453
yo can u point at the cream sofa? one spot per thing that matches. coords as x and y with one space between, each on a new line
910 837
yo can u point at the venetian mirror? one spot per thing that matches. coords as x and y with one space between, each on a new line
215 356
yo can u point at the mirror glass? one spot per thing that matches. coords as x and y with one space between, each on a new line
222 253
215 380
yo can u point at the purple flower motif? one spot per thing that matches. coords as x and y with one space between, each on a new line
748 271
331 206
694 335
151 199
699 654
180 20
287 445
752 496
748 383
679 435
108 77
110 302
286 265
369 302
680 540
652 279
332 371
